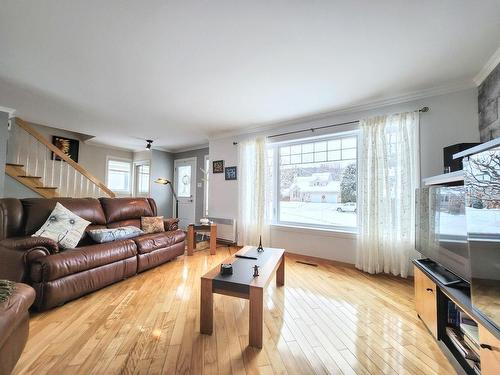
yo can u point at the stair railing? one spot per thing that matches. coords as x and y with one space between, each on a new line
48 170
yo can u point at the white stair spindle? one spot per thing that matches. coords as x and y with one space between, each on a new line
27 165
61 176
80 191
36 151
74 183
44 174
17 139
67 179
52 172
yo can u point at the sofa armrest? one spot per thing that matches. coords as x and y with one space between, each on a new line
29 243
171 224
18 253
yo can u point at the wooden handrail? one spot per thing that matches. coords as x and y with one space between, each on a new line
29 129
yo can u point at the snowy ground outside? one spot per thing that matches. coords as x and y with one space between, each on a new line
316 213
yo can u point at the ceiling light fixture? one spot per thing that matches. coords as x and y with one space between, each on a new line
149 144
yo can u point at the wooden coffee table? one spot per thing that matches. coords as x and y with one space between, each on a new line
242 284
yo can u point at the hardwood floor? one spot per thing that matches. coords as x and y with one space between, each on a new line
326 319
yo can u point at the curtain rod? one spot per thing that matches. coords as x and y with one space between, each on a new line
423 110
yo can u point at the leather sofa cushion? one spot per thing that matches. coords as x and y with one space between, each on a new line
12 310
37 210
125 223
119 209
154 241
86 239
81 259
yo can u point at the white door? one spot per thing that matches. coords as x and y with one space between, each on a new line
185 187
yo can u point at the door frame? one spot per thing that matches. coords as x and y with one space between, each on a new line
193 176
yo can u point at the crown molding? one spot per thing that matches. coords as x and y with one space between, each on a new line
368 105
10 111
491 64
190 148
96 143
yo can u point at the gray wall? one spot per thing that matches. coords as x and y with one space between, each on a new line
14 189
162 165
4 132
489 106
200 163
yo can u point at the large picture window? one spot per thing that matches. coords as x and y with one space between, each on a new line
317 182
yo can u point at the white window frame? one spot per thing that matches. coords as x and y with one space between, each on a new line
120 192
277 182
134 177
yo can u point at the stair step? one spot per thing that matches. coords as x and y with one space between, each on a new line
47 187
25 176
15 165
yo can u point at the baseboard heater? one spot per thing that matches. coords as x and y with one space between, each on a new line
226 230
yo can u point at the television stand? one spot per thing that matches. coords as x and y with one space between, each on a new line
466 337
440 273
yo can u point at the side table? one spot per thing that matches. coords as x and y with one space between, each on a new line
191 236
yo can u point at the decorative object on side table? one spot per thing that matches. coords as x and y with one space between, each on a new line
67 145
260 249
231 173
226 269
218 166
255 271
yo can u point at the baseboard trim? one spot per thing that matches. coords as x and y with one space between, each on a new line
312 259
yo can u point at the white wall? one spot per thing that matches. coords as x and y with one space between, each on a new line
452 119
4 121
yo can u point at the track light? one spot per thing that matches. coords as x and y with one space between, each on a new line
149 144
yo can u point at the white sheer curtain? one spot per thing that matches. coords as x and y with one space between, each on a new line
388 176
254 192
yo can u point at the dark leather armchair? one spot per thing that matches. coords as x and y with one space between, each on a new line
14 326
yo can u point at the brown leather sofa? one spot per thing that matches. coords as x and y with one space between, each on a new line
58 277
14 326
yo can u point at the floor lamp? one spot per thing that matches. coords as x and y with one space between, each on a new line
164 181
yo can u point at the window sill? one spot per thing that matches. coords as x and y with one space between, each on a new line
316 231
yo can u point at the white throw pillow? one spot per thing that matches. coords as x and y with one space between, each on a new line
64 227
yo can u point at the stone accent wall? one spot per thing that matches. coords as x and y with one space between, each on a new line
489 106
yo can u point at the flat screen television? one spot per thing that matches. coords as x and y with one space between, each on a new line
441 228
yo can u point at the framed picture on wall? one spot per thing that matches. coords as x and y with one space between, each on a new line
218 166
231 173
67 145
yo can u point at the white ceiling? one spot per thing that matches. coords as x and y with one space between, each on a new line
182 71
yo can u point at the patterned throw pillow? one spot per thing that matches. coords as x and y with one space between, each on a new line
64 227
152 224
115 234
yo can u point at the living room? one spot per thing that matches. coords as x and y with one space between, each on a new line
250 187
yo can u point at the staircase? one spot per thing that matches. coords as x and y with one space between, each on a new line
42 167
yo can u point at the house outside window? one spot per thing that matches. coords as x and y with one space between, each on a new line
119 176
317 182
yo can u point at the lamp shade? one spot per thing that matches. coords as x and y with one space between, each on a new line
162 181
